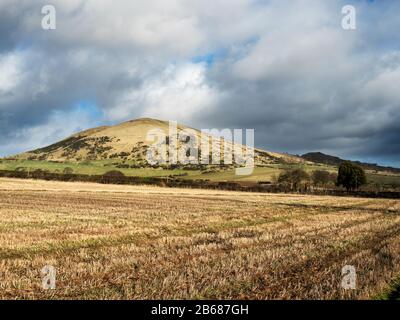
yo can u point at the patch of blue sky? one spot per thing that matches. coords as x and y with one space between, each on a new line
24 44
89 108
210 58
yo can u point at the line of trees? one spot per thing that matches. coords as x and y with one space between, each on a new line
295 179
350 176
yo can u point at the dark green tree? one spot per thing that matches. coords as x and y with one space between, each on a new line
321 177
114 174
294 178
351 176
68 170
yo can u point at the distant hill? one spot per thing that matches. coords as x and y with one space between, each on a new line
319 157
126 141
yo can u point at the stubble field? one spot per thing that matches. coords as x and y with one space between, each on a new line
143 242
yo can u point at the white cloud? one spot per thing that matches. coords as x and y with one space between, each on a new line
385 86
177 94
10 72
168 26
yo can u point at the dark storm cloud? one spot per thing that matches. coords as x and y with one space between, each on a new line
284 68
334 98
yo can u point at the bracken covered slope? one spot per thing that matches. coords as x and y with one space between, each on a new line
127 141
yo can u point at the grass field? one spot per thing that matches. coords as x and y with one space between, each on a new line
141 242
99 167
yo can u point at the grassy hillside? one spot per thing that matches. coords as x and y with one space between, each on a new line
96 167
124 146
130 141
318 157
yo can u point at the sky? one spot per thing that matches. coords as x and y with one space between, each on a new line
285 68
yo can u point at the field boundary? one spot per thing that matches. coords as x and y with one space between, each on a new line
194 184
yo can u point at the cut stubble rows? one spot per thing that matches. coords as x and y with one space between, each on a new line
143 242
